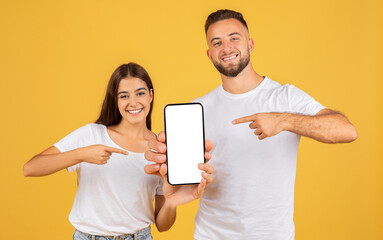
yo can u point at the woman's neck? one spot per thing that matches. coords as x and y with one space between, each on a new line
132 131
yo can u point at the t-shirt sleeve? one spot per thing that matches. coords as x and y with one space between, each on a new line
76 139
302 103
159 187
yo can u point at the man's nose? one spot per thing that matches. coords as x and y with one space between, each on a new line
226 47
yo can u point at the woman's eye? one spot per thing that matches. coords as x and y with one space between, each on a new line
124 96
141 94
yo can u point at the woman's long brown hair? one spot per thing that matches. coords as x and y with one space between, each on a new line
110 114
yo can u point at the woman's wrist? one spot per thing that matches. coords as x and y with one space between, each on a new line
78 155
170 203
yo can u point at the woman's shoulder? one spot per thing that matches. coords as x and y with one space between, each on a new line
94 129
82 136
96 126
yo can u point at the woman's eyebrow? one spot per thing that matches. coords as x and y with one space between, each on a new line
141 89
122 92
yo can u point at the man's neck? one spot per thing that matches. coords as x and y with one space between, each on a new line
245 81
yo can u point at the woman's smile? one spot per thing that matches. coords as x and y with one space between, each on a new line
135 111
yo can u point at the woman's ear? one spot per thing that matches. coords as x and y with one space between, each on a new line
151 94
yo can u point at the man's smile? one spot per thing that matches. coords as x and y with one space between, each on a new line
230 57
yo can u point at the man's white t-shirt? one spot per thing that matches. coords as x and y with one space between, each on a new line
252 195
111 199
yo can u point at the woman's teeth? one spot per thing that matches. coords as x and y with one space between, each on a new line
135 111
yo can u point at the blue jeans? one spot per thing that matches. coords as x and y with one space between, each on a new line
143 234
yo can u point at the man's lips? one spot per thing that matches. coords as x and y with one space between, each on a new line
229 57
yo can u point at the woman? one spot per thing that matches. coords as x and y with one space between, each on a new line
114 196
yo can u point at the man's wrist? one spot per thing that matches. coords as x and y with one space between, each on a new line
286 124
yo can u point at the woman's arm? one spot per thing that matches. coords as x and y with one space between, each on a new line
166 205
52 160
165 213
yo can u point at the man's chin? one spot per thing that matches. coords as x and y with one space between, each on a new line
231 72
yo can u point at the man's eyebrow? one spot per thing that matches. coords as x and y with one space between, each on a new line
234 33
231 34
213 39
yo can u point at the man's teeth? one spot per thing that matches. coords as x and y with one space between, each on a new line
229 58
135 111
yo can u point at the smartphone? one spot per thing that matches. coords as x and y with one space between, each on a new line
185 142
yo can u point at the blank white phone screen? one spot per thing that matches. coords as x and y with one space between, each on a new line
184 142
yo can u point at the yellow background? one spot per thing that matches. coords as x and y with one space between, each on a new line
57 56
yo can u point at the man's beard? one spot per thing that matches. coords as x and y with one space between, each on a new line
233 72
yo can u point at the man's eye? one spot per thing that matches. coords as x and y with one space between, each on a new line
216 44
235 39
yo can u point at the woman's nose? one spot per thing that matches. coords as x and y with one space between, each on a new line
133 101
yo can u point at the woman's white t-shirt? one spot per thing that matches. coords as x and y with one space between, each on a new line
115 198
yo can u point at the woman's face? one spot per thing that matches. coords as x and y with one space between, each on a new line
133 99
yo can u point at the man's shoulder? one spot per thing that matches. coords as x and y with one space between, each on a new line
205 98
272 86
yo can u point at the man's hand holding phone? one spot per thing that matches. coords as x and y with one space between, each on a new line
180 194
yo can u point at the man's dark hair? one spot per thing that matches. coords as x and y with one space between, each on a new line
223 14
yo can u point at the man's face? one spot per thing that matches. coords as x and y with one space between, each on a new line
229 46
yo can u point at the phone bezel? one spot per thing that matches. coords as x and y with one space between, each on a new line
203 136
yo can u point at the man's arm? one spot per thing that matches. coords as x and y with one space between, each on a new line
326 126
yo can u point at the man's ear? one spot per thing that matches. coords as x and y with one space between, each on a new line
208 54
251 45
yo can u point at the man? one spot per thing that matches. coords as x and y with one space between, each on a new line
252 196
